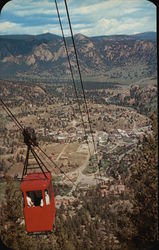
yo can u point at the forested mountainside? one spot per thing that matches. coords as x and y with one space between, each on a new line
44 55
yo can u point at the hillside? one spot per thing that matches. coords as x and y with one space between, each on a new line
116 58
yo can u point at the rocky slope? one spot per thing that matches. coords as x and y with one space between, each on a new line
44 55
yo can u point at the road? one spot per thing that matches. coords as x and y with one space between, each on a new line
81 178
64 148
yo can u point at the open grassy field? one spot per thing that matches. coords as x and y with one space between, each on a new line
66 154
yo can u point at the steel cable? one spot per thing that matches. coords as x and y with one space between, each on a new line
78 66
73 80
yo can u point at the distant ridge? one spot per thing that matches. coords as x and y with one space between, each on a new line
50 36
146 36
45 36
139 36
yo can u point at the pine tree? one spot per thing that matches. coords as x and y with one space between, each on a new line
141 229
11 215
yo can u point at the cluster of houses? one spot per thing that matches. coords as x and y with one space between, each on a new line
106 189
113 189
65 200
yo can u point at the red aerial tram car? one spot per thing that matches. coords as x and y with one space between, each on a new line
37 190
39 209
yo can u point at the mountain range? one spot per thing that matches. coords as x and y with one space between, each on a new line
107 57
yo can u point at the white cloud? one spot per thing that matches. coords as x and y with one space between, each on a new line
29 8
14 28
90 17
22 13
112 26
8 26
110 8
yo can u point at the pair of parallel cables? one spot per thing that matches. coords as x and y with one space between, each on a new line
80 76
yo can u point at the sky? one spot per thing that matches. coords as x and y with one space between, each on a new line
88 17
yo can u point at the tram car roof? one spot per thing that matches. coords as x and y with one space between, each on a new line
36 181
